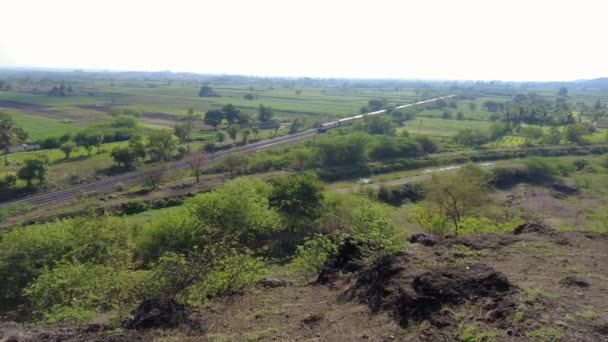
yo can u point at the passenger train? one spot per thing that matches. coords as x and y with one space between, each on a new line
347 121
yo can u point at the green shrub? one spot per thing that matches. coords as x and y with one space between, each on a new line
241 207
372 226
178 232
540 170
312 256
234 272
484 225
431 221
603 160
27 252
134 207
77 292
546 334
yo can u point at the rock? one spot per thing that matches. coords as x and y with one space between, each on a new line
456 284
575 281
158 313
273 282
565 189
424 239
313 319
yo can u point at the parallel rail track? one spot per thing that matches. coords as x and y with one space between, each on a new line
135 176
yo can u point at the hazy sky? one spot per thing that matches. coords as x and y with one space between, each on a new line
450 39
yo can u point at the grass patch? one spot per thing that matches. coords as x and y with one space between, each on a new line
546 334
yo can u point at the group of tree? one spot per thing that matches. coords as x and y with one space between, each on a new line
207 91
229 112
62 90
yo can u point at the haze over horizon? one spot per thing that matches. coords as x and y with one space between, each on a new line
472 39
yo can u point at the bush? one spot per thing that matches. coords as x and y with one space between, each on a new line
7 182
372 228
234 272
76 292
240 207
134 207
312 256
178 232
431 221
603 160
540 170
27 252
507 176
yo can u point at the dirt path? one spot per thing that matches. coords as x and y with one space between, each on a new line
396 182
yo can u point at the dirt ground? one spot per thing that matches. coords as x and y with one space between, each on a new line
535 285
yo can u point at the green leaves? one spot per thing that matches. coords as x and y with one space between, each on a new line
241 206
312 256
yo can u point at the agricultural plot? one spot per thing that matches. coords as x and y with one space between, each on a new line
41 127
441 127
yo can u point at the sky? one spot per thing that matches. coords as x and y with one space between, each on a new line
531 40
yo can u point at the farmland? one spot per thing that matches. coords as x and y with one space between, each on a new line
524 166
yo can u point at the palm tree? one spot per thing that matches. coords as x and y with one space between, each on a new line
7 133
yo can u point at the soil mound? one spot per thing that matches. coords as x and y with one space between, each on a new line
542 229
575 281
411 294
424 239
158 313
479 242
348 259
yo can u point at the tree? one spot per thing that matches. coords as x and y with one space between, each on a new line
563 92
264 113
10 133
245 135
196 161
460 116
97 140
375 104
162 144
123 156
299 197
137 145
456 194
67 148
89 140
553 137
255 131
206 91
575 133
153 177
304 157
239 207
446 115
428 145
378 125
472 106
214 118
220 137
34 169
296 125
233 130
183 131
231 113
235 164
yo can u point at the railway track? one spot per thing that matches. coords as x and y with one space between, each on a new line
135 176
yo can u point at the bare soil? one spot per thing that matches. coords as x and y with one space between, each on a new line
530 286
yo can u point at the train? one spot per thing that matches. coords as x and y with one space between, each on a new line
347 121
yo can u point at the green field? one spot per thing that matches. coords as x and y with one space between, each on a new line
39 127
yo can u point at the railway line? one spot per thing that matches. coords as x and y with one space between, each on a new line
136 176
